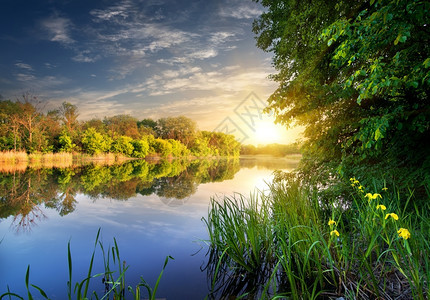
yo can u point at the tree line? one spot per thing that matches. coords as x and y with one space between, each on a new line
24 127
278 150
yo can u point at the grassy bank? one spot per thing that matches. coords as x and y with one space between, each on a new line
286 243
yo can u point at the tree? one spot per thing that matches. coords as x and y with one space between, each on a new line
180 128
69 116
122 125
357 74
30 118
9 125
140 148
123 145
94 142
147 126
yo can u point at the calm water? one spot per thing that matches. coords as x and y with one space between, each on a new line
153 210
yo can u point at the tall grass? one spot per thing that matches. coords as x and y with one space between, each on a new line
113 278
375 247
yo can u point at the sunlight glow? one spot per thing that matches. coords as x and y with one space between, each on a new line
266 132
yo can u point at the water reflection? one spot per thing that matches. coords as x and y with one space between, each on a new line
22 194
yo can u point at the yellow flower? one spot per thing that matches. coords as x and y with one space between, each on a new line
381 206
360 187
404 233
352 179
393 215
369 196
334 232
331 222
384 189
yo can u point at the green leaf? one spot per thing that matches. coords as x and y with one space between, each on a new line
377 134
403 39
414 84
426 63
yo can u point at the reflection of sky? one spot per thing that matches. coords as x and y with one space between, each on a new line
146 229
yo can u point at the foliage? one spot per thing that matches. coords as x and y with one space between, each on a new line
272 149
358 76
286 242
23 126
66 143
123 145
179 128
94 142
140 148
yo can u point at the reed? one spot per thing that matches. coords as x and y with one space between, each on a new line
114 280
302 251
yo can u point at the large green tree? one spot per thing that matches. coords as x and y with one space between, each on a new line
357 75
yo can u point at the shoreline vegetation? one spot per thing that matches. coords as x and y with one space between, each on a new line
371 243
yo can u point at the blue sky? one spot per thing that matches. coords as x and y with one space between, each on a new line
146 58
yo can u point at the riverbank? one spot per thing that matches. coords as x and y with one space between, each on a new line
288 243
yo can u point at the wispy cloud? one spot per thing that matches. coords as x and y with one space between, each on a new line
58 29
240 10
24 66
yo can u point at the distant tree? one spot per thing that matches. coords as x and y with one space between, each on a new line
140 148
178 149
95 123
94 142
69 116
162 147
30 118
10 133
180 128
123 145
122 125
66 143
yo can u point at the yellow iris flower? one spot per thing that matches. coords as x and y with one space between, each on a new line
393 215
331 222
381 207
334 232
372 196
404 233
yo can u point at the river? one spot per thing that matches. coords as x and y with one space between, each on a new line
153 210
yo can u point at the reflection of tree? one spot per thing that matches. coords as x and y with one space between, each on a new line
25 195
64 201
21 197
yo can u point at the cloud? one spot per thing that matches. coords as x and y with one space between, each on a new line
24 77
58 29
240 10
24 66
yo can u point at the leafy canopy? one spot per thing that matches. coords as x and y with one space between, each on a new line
357 75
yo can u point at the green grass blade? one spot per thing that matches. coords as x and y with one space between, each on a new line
42 292
27 279
159 276
69 261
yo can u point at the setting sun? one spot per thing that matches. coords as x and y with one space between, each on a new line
267 132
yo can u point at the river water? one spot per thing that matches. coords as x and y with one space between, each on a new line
153 210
